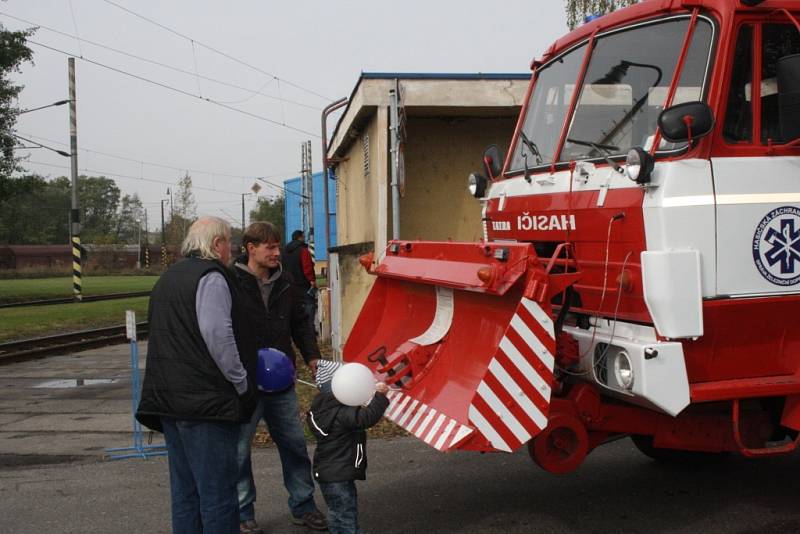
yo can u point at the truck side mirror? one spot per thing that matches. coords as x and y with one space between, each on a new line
686 122
789 96
492 161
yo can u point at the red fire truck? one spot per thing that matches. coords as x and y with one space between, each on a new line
639 273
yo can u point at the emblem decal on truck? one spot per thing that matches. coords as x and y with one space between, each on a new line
776 246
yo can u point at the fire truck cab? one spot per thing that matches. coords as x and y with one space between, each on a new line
640 268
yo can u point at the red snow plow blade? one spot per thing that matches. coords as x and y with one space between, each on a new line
463 334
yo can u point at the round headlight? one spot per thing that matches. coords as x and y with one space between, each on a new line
639 165
633 165
476 184
623 370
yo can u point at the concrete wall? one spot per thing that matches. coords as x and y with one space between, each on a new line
439 155
357 195
361 214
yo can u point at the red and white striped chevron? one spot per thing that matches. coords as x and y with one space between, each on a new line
512 402
434 428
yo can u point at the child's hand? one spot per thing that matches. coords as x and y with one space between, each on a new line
382 388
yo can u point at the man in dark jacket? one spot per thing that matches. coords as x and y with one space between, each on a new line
298 261
279 317
198 384
341 455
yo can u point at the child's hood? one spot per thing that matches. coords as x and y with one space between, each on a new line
323 411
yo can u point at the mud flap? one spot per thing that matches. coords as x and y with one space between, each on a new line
470 360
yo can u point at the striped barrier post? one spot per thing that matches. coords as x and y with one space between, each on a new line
147 258
76 268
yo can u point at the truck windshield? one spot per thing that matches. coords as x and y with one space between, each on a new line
624 90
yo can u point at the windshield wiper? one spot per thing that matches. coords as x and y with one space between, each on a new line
600 147
597 146
532 147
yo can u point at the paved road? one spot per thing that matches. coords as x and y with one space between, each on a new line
411 488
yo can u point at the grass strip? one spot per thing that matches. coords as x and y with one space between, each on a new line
21 290
35 321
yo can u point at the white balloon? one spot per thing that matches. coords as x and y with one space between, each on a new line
353 384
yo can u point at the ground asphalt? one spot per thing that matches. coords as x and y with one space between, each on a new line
58 415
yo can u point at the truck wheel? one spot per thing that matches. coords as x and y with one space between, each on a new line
645 446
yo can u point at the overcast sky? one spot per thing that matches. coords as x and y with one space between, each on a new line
316 49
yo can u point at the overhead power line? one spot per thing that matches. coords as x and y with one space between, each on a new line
216 51
175 89
129 177
59 152
252 92
171 167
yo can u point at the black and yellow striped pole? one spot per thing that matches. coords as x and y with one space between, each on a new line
76 267
75 230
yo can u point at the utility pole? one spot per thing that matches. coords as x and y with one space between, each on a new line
303 192
242 244
310 193
146 242
75 227
163 237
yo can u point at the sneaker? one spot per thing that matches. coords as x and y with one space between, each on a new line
314 520
250 527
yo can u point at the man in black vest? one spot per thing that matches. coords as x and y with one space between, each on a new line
276 306
297 260
199 381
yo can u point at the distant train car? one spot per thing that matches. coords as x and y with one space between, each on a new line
35 256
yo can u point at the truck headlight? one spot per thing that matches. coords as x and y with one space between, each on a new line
476 184
623 371
639 165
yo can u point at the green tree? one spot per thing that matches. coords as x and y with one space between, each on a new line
130 220
33 211
271 210
99 200
577 10
185 211
13 52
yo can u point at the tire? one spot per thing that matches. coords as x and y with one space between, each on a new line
645 446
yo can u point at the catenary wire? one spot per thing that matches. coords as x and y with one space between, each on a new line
171 167
216 51
170 67
177 90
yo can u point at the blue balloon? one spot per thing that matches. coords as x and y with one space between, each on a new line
275 371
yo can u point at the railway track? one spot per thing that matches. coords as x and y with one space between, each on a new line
67 300
65 343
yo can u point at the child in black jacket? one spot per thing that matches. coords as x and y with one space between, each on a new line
341 457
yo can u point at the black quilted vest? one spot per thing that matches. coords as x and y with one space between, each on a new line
181 379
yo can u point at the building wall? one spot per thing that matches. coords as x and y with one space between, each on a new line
440 152
293 212
357 188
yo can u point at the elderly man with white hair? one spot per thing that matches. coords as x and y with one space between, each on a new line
199 382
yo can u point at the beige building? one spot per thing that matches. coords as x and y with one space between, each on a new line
447 120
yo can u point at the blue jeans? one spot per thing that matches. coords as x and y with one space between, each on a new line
282 415
202 475
310 305
342 501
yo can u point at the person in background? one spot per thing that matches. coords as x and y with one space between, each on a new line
199 380
276 307
341 455
298 261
